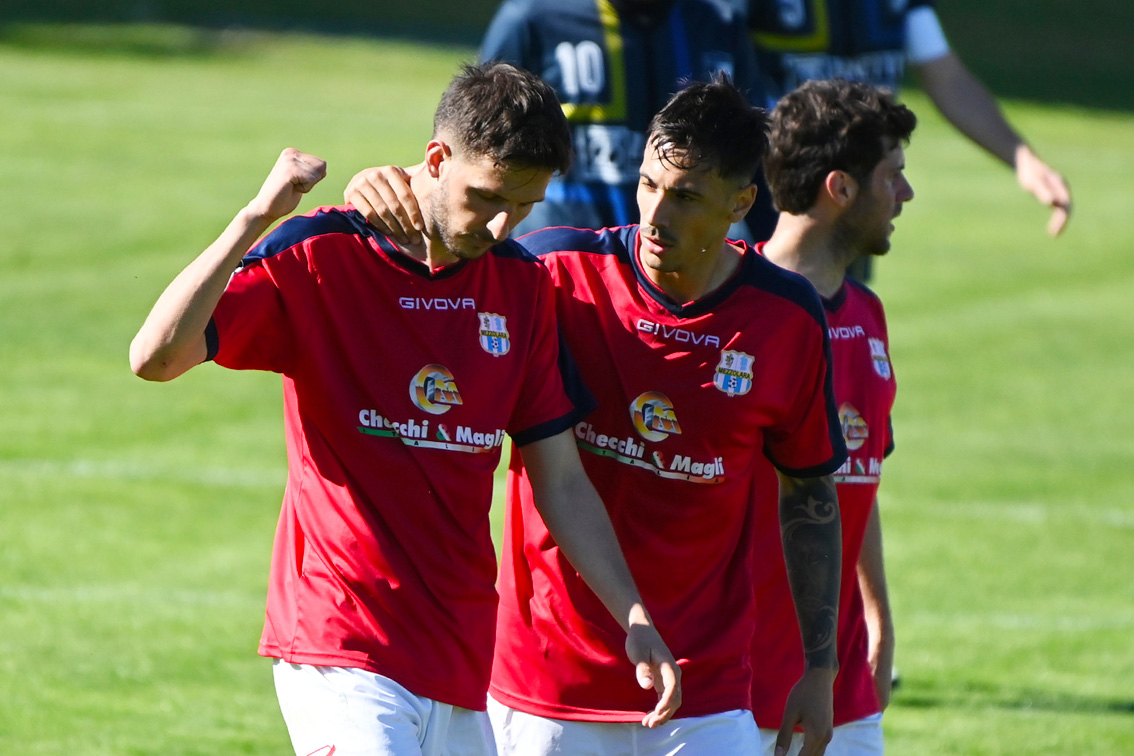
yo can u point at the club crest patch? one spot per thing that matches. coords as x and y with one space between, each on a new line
880 358
494 337
735 373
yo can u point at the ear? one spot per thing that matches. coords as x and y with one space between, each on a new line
841 188
436 153
743 202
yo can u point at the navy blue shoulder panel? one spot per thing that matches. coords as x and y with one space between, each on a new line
765 275
511 249
296 230
860 285
608 241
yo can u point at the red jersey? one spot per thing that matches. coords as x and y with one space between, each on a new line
399 385
690 398
864 391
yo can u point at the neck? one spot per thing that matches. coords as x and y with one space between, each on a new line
431 250
690 285
812 249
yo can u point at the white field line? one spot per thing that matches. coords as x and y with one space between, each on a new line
244 477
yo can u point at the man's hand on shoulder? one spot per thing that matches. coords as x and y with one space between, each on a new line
384 196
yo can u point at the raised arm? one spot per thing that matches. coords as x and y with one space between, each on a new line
971 108
172 338
812 538
876 601
577 520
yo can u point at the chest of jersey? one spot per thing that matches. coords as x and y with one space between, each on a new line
864 388
685 397
380 352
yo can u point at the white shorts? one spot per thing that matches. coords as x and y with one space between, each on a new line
521 734
338 711
862 737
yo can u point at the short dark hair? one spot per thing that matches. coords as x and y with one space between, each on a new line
833 125
498 111
711 122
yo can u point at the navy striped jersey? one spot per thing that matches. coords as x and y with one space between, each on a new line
800 40
614 65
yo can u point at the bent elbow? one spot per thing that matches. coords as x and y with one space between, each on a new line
149 365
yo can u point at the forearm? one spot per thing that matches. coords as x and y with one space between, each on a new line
969 106
577 520
872 580
812 540
876 606
171 340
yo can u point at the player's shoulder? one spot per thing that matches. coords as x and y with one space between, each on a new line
863 295
513 263
544 12
564 240
321 222
761 277
510 249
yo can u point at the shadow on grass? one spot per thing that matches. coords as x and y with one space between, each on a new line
156 40
987 696
138 40
1022 49
1048 51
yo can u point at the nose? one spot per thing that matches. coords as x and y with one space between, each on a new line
905 191
501 225
652 210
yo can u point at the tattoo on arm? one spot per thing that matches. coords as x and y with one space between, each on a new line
812 538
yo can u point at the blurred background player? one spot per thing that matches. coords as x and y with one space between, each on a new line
706 362
614 64
871 41
835 166
381 602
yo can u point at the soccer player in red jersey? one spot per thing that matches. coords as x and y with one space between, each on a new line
708 363
835 168
403 368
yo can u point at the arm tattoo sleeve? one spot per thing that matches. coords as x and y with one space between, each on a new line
812 537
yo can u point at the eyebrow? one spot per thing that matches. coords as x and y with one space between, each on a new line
675 190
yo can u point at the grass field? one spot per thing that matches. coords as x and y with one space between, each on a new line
137 518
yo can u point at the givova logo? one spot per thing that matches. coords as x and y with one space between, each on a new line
855 429
653 416
434 390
